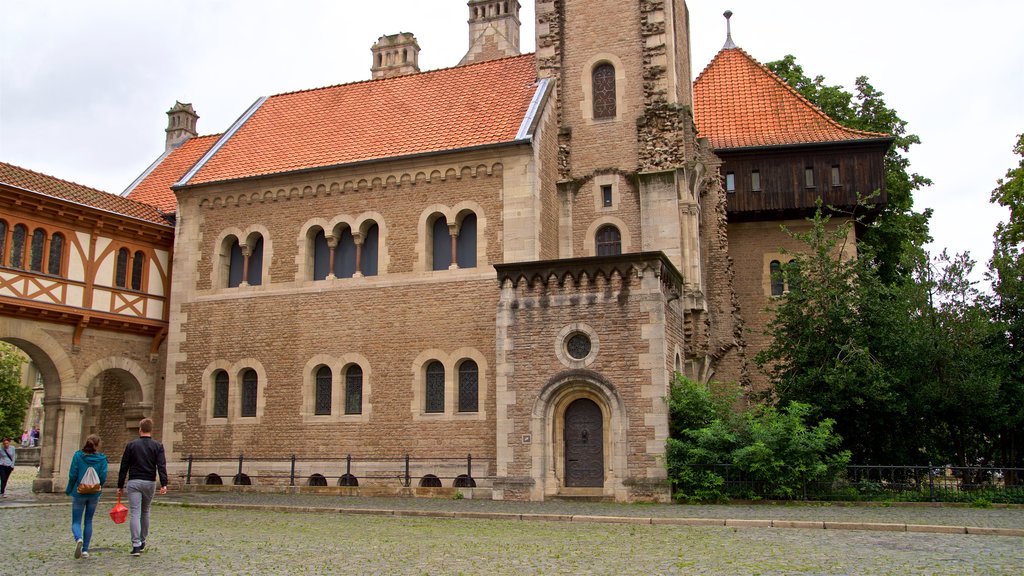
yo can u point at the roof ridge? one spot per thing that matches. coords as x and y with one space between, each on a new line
71 182
394 78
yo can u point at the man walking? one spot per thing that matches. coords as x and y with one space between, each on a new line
143 459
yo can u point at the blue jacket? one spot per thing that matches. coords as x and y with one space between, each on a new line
81 462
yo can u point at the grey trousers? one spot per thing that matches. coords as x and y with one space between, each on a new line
140 498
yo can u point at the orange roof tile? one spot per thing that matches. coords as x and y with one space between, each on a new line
155 185
448 109
54 187
740 103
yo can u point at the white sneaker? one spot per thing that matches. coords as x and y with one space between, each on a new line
85 554
78 548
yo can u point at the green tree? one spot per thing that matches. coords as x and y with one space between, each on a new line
898 234
14 396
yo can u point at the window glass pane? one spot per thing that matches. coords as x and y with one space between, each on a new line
121 273
609 241
236 264
138 265
778 285
442 253
256 264
36 253
368 259
18 239
835 176
249 389
323 391
56 254
809 177
606 195
603 81
465 245
220 395
3 241
354 390
345 255
755 181
321 256
469 384
435 387
730 182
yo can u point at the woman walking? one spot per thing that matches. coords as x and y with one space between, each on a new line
7 457
83 506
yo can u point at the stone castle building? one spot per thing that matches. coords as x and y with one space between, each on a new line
507 259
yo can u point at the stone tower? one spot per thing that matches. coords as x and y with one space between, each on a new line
493 30
395 55
628 146
181 124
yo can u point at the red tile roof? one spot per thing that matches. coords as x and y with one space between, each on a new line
55 187
739 103
155 187
441 110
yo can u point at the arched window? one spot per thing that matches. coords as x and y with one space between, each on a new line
255 265
435 387
469 387
53 264
324 383
442 240
354 390
18 239
778 282
321 256
609 241
465 244
220 394
3 241
236 262
250 384
345 255
138 265
793 276
603 82
35 262
371 244
121 271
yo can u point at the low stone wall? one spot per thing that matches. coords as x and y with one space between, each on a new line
27 456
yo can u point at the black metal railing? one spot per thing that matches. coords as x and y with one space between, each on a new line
876 482
429 472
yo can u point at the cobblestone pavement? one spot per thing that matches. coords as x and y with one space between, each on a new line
186 539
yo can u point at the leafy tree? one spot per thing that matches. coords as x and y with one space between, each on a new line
898 234
14 396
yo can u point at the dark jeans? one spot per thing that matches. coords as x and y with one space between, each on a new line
83 504
5 473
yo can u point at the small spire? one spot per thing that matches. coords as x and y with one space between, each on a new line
729 44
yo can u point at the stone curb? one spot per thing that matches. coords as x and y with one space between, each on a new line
705 522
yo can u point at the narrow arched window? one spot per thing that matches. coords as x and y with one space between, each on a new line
778 282
465 244
469 387
35 262
321 256
3 242
608 241
235 262
354 390
121 270
345 255
603 81
793 275
435 387
250 385
220 394
138 266
442 240
18 239
255 277
371 244
324 383
53 264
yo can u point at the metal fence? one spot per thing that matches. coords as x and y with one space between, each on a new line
877 482
426 472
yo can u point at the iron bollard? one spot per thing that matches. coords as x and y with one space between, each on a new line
292 478
188 473
407 480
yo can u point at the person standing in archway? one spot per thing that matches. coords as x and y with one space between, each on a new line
7 457
142 461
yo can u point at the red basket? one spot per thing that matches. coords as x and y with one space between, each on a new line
119 513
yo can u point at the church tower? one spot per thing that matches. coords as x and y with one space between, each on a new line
630 165
181 124
493 30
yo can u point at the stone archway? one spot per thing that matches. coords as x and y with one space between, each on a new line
120 394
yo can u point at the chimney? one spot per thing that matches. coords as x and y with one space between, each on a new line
395 55
181 124
493 30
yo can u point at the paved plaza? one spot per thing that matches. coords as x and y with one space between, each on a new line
249 533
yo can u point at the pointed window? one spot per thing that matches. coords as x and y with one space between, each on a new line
53 265
138 266
3 241
603 81
121 271
36 254
18 239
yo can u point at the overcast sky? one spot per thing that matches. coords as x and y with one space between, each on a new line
84 86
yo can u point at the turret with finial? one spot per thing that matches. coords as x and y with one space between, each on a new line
729 44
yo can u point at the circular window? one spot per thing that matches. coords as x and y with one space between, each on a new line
578 346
